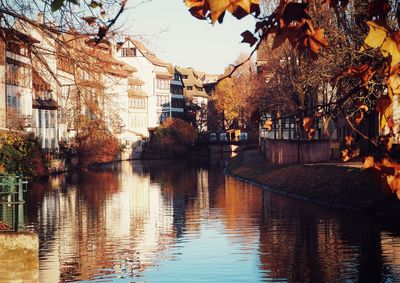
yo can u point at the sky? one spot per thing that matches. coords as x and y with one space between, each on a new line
168 29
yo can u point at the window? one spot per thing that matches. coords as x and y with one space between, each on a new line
190 88
40 118
46 119
18 75
162 100
17 49
137 103
185 76
128 52
136 87
163 84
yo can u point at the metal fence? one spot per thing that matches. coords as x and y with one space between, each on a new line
12 188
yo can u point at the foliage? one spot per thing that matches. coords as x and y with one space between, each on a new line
236 97
20 153
96 144
349 50
174 136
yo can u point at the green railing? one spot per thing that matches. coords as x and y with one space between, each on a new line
12 188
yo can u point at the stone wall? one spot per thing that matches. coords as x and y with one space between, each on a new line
19 257
296 151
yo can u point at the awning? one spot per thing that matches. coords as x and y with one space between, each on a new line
46 104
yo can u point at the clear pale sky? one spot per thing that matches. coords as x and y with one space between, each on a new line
175 36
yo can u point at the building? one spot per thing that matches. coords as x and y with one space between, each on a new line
155 74
177 97
196 99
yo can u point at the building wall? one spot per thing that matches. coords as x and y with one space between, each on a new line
145 73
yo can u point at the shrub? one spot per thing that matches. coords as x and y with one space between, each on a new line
174 136
20 153
96 144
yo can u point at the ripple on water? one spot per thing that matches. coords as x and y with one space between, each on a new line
176 222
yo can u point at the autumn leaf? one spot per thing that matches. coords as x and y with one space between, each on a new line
376 35
390 50
249 38
308 123
310 133
291 33
293 12
95 4
378 8
90 20
363 72
215 9
348 154
268 125
358 117
198 8
383 102
315 39
387 141
56 5
349 140
393 84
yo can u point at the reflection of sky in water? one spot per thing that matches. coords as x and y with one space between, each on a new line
175 222
211 257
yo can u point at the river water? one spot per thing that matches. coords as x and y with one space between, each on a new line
173 221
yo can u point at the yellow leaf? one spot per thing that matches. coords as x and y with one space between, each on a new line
389 49
218 7
394 84
376 36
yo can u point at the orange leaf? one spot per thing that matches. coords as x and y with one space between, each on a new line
293 12
358 117
249 38
308 123
383 102
268 125
349 140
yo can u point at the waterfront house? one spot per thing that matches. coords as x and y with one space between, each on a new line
196 99
177 97
156 76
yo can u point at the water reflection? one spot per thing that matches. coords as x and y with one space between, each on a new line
176 222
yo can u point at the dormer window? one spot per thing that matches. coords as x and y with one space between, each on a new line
128 52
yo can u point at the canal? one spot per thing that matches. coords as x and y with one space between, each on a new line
178 222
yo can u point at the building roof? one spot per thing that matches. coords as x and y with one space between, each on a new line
135 92
91 84
147 54
13 34
135 81
193 80
48 104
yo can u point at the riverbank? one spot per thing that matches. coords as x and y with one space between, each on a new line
351 188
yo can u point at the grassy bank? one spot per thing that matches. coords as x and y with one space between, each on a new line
347 187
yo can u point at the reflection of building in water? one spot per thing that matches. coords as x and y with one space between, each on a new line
109 220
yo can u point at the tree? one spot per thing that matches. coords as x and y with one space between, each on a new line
173 137
95 144
363 81
235 96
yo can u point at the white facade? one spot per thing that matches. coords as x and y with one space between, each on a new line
155 75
